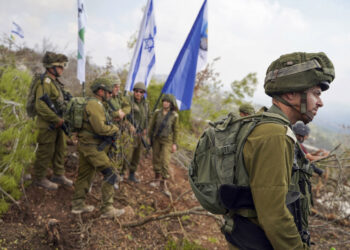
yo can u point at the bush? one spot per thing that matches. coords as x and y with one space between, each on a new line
17 137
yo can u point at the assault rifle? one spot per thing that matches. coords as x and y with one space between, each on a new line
139 131
106 140
316 169
45 98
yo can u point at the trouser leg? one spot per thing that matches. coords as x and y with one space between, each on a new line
59 154
156 147
85 177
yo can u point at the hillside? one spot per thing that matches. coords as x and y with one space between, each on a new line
34 218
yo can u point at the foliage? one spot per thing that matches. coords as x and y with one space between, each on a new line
241 89
183 244
17 140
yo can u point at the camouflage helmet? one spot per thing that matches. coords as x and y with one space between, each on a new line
101 83
115 80
300 128
140 85
297 72
52 59
170 98
247 109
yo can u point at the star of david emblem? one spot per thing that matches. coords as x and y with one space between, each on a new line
149 43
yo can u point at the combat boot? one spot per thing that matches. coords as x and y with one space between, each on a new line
45 183
112 212
82 209
62 180
133 178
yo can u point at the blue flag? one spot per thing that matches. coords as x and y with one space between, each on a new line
17 30
191 58
143 61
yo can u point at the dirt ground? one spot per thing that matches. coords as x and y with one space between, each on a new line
28 227
152 219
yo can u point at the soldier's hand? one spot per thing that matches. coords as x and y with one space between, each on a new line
132 130
173 148
121 114
60 123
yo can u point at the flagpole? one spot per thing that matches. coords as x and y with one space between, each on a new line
81 59
157 102
83 83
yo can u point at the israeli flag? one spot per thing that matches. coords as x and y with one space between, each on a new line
191 59
142 64
17 30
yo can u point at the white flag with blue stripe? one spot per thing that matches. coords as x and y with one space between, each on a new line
17 30
143 61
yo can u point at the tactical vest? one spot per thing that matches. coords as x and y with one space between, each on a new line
218 167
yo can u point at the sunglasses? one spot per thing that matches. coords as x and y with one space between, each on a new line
139 91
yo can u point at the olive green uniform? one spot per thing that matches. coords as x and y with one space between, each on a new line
123 141
51 141
140 114
90 159
268 155
163 139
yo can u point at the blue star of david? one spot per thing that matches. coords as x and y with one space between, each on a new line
149 43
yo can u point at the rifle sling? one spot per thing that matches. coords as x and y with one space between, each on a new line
162 125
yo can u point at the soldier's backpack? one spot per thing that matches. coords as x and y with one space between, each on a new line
218 161
74 114
30 105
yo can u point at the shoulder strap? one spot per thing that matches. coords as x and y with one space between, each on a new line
162 125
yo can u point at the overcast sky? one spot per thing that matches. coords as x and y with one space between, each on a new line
247 34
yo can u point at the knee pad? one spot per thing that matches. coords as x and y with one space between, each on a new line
109 176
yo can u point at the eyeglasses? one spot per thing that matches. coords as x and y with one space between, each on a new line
139 91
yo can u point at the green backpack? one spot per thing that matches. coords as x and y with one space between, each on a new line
218 158
74 114
30 105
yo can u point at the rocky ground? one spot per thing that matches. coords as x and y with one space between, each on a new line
153 220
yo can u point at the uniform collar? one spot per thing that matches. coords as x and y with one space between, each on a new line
276 110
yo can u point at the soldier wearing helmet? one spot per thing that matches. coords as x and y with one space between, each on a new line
96 127
277 169
118 107
51 142
119 102
138 117
302 132
246 109
163 132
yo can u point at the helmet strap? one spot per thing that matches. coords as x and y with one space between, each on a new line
55 73
303 106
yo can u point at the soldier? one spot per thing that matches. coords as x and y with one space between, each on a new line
119 102
138 117
163 133
93 156
51 139
295 83
246 109
119 107
302 132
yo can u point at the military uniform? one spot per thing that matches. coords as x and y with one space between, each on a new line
140 115
51 142
123 141
277 168
263 163
162 139
93 158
